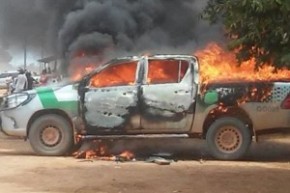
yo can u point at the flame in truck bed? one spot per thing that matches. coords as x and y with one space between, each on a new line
217 64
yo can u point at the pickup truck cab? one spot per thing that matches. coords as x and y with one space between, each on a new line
148 95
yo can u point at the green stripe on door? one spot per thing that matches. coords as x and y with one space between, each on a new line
49 100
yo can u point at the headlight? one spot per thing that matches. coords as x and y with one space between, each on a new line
15 100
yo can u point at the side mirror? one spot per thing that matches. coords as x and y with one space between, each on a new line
211 97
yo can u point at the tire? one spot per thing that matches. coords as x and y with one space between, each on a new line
51 135
228 139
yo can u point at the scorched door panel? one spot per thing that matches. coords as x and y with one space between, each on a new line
111 100
168 97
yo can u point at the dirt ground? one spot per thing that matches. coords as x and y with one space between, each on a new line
266 168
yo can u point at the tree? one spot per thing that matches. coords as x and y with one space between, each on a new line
255 28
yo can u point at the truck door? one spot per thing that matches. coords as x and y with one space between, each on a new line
168 96
110 100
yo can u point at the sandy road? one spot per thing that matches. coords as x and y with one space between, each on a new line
265 169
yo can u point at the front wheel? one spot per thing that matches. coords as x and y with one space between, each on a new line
51 135
228 138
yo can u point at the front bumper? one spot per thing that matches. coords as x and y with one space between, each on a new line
9 126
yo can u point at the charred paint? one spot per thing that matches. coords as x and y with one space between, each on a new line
231 94
141 105
110 108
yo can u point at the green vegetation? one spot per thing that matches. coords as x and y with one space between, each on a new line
256 28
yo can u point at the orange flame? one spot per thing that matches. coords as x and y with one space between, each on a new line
127 155
78 71
100 151
161 71
123 74
217 64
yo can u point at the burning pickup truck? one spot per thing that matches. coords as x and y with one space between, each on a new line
145 96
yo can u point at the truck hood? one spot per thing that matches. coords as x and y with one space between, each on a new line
55 87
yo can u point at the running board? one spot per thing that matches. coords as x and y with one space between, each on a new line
143 136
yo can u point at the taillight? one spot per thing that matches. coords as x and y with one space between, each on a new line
286 103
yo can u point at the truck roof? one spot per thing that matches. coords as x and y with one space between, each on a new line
157 56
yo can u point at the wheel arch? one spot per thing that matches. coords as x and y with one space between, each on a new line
46 112
231 111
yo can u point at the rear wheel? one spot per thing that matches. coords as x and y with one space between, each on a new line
51 135
228 138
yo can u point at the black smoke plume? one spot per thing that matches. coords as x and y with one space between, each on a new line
69 27
134 26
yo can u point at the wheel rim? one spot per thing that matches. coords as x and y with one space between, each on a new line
228 139
51 136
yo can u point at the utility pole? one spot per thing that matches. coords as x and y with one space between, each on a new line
26 35
25 53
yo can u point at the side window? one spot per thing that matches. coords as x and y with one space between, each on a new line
116 75
166 71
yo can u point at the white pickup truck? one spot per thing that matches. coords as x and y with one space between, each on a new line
145 96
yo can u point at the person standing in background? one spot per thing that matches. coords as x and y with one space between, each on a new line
21 82
43 77
30 81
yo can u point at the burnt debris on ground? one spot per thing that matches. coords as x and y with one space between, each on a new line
159 151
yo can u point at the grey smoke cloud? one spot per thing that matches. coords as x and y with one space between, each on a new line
91 42
5 57
124 26
136 25
35 22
